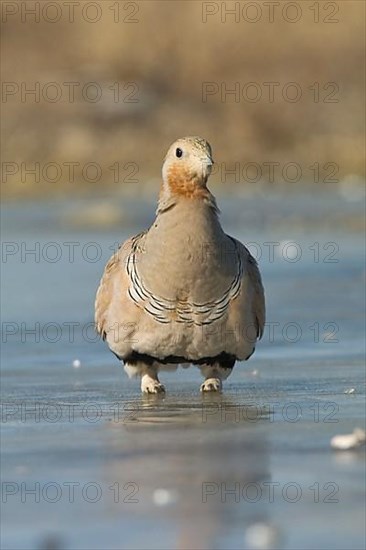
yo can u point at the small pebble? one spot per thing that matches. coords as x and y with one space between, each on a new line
76 363
349 441
262 536
162 497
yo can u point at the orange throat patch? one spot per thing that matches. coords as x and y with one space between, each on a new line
181 182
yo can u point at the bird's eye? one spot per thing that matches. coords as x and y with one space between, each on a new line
178 152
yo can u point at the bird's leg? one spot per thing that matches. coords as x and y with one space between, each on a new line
149 376
150 381
214 375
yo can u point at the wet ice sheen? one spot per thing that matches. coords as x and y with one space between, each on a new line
185 470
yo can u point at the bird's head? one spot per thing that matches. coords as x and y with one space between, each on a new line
187 166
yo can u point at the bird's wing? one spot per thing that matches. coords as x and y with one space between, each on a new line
114 274
258 302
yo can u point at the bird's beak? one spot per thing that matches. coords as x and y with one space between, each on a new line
207 161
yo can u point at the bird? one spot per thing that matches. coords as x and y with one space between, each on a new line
182 292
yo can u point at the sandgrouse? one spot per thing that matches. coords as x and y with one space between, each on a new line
183 291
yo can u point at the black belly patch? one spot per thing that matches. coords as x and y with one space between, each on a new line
225 360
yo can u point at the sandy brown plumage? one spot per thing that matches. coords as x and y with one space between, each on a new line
183 291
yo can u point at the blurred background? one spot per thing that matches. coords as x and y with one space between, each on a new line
93 94
118 82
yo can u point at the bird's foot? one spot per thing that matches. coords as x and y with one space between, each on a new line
211 385
150 385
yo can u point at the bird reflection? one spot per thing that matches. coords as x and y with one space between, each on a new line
200 465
